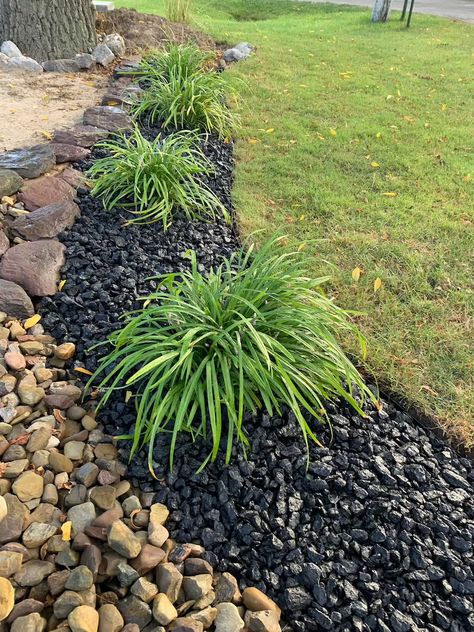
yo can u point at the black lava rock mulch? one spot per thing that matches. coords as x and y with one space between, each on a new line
376 535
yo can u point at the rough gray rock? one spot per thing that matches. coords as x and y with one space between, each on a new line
46 222
61 65
240 51
10 182
85 60
22 64
10 49
14 301
115 43
30 162
34 265
103 55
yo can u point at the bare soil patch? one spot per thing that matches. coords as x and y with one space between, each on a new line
34 106
142 31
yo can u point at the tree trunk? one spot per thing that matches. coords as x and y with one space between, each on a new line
48 29
381 10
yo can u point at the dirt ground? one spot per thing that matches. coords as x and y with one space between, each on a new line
33 106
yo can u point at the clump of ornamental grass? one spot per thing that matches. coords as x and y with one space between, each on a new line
154 179
178 10
175 60
196 102
204 350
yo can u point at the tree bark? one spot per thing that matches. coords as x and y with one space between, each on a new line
381 10
48 29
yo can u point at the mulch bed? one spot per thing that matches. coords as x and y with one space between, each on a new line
375 535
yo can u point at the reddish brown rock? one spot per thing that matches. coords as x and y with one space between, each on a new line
46 222
34 266
81 135
69 153
45 191
149 557
14 301
73 177
107 117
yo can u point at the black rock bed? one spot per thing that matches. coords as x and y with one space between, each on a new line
376 535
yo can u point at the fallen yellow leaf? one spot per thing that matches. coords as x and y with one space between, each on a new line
253 141
389 194
81 369
356 272
32 321
66 529
61 284
333 132
377 284
46 134
443 107
128 395
378 134
374 164
270 130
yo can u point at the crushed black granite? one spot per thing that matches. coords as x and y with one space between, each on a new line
376 535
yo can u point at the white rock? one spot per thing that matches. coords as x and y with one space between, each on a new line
24 64
116 43
103 55
10 49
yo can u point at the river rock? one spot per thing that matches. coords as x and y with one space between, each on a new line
80 578
33 622
81 135
197 586
69 153
10 563
81 516
148 559
169 580
122 540
28 486
33 572
263 621
37 534
186 624
14 300
163 610
10 182
255 600
110 619
34 266
24 608
107 117
30 162
3 507
135 610
228 618
7 598
11 526
60 463
4 243
83 619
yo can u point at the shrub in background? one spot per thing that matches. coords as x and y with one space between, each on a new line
154 179
178 10
255 333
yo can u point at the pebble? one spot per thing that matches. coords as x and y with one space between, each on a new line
28 486
83 619
228 618
110 619
65 351
163 610
122 540
7 598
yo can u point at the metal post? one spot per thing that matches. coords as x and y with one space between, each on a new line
410 13
405 4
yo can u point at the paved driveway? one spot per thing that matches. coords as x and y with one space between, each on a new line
456 9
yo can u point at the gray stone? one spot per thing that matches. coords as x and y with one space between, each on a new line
169 580
10 49
34 266
80 578
126 575
135 610
67 557
22 64
84 60
66 603
87 474
33 572
81 135
11 526
81 516
233 54
10 182
103 55
262 621
37 534
228 618
33 622
76 496
24 608
30 162
107 117
110 619
197 586
115 43
61 65
122 540
4 243
14 301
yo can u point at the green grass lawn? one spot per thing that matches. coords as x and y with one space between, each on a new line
358 140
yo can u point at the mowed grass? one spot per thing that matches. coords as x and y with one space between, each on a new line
357 141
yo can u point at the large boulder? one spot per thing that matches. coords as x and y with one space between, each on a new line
14 301
107 117
45 191
10 182
46 222
30 162
34 265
